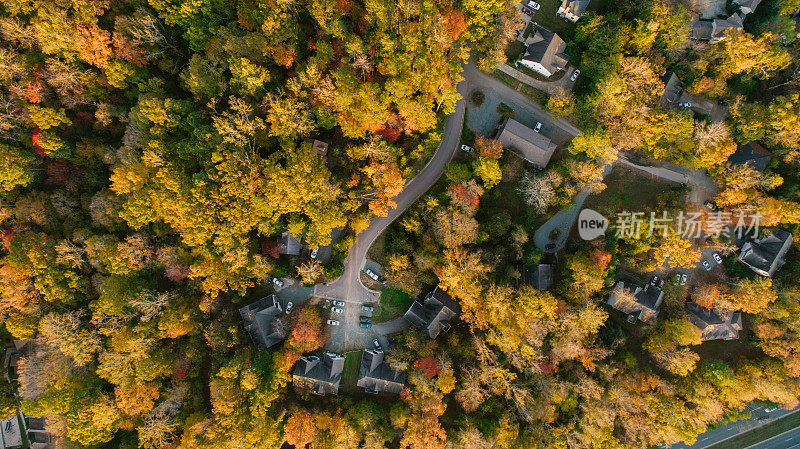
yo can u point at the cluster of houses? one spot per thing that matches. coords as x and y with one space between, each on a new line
763 255
715 30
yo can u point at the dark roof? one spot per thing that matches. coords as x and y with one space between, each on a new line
319 374
766 255
715 324
260 320
752 154
534 147
289 244
433 315
547 48
319 147
539 276
645 306
747 6
375 375
576 7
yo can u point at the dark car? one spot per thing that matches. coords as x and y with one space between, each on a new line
550 246
365 325
364 319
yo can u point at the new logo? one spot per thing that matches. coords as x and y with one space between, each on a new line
591 224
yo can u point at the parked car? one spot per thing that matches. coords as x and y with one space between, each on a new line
527 11
717 258
364 319
377 345
289 306
333 322
710 205
338 303
550 246
467 148
336 310
654 281
685 105
534 6
683 279
706 265
538 127
365 325
278 283
314 253
372 274
575 75
366 308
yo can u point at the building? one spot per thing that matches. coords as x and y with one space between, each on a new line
545 53
636 302
289 245
534 147
37 435
433 315
675 96
15 350
539 276
376 376
747 6
752 154
715 30
321 375
572 9
262 321
715 324
766 255
319 147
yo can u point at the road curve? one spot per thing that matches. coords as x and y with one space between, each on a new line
348 287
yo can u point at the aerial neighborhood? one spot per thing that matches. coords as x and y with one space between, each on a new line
415 225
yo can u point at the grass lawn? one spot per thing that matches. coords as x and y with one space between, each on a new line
546 17
505 79
629 190
394 303
537 96
352 363
762 433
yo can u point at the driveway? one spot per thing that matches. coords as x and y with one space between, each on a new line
547 86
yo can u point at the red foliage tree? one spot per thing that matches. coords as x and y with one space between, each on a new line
308 333
430 366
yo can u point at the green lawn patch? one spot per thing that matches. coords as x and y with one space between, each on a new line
394 303
537 96
352 364
505 78
630 190
760 434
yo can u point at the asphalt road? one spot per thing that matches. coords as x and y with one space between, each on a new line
786 440
733 429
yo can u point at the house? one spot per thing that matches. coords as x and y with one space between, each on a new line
766 255
14 351
636 302
11 435
715 324
376 376
262 321
545 53
675 96
715 30
539 276
752 154
433 315
533 146
321 375
572 9
289 245
319 147
747 6
37 435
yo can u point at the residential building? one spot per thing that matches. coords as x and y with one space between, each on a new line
752 154
545 53
14 351
766 255
38 436
539 276
10 432
636 302
715 30
289 245
433 315
376 376
715 324
262 321
533 146
747 6
321 375
572 9
319 147
675 96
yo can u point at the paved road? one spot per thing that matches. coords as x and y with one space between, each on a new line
733 429
786 440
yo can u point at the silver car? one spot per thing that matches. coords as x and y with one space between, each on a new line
333 322
338 303
717 258
336 310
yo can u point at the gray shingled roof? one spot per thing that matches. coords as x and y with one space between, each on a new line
547 49
433 315
576 7
534 147
645 306
539 276
766 255
752 154
715 324
289 244
375 375
321 375
260 320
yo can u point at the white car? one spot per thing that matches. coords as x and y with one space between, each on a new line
278 283
377 344
336 310
314 253
706 265
466 148
717 258
685 105
575 75
338 303
333 322
683 279
372 274
534 6
538 127
289 306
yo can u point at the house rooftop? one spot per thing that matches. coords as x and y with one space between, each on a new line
546 48
289 245
539 276
319 147
376 376
262 321
433 315
534 147
766 255
715 324
644 304
321 375
752 154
